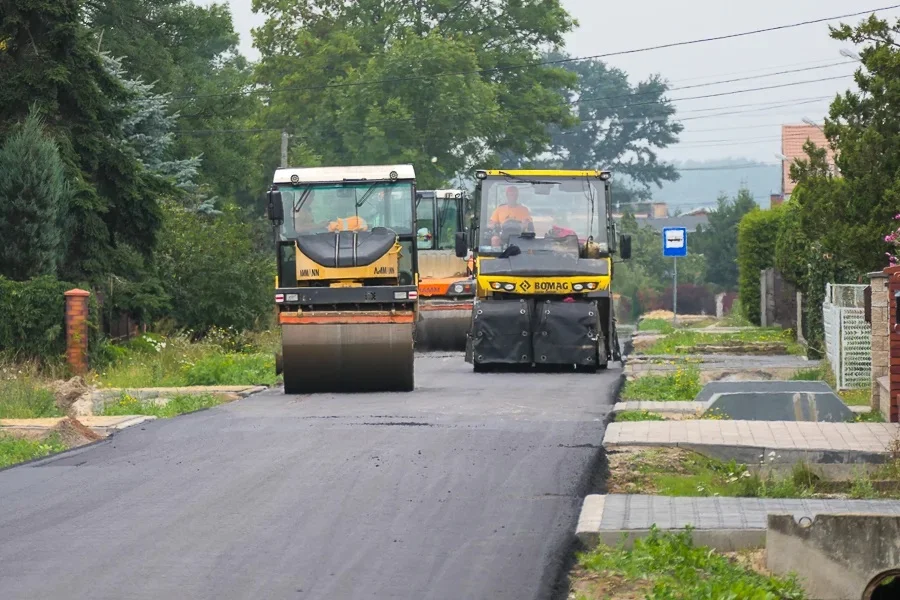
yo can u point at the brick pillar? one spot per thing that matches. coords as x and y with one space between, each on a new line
77 330
892 410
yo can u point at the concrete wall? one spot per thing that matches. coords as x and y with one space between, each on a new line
778 300
836 557
881 331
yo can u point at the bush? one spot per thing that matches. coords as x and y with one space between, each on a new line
214 275
32 317
757 235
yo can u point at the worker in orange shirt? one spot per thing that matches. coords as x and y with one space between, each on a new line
512 210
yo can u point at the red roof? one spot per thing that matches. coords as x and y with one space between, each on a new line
792 139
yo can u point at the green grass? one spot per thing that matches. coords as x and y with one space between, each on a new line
668 566
153 361
23 398
685 341
637 415
179 405
666 472
15 450
683 384
819 373
874 416
660 325
856 397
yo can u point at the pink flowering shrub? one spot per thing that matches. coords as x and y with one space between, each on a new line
893 238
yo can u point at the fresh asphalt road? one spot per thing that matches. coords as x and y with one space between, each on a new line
468 487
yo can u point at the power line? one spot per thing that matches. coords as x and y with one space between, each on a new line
543 62
722 82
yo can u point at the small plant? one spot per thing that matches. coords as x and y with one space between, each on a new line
813 374
714 414
862 488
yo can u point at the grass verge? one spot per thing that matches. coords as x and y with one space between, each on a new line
690 342
179 405
15 450
154 361
668 566
23 398
683 384
678 472
660 325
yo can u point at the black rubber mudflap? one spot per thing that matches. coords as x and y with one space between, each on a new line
501 332
567 333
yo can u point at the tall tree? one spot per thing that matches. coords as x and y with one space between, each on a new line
719 241
50 60
620 126
456 80
188 51
34 201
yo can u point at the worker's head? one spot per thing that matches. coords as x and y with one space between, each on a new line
512 195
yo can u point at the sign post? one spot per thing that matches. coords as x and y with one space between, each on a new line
675 246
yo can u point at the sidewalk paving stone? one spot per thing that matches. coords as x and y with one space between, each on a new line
768 435
723 523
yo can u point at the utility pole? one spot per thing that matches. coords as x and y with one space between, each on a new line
284 148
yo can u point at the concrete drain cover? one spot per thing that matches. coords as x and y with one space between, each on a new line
730 387
780 406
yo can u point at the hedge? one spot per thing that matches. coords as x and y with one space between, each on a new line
32 317
757 235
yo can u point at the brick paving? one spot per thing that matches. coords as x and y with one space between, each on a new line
771 435
627 512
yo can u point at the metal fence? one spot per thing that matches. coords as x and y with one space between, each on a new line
848 338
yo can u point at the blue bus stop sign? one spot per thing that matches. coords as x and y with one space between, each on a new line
674 241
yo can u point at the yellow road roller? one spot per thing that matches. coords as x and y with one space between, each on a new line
346 288
544 243
446 285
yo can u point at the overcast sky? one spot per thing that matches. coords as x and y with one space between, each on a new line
752 132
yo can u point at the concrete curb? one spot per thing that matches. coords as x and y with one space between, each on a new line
99 398
689 407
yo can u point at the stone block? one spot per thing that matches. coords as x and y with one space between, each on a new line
835 556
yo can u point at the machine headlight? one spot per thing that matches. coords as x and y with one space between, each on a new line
577 287
592 286
495 285
458 288
292 297
509 287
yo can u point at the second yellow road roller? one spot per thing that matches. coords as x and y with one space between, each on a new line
346 287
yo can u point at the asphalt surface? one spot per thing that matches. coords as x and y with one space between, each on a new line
469 487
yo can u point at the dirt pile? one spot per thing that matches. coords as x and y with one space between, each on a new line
68 392
74 433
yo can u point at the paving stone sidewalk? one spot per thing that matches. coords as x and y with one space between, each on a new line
768 435
723 523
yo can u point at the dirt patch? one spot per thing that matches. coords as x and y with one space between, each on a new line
597 586
628 472
754 560
68 392
74 433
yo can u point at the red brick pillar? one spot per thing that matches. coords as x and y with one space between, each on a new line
77 330
893 410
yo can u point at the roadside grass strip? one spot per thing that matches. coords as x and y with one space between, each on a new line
668 566
681 385
15 449
23 398
175 361
693 342
178 405
683 473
